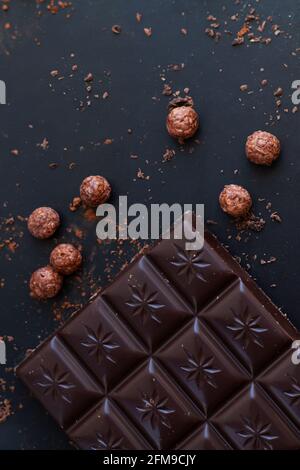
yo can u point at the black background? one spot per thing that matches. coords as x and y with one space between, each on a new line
130 66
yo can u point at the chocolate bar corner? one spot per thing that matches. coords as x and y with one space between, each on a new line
181 351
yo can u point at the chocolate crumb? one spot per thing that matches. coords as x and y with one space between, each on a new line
44 144
75 204
89 78
252 222
116 29
276 217
271 260
211 222
167 90
141 175
278 92
5 410
148 31
238 41
168 155
53 165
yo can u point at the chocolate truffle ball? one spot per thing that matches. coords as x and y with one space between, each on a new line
45 283
262 148
95 190
182 122
43 222
235 200
65 258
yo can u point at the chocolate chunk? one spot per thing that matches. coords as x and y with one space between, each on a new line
235 200
182 351
43 222
65 259
95 190
182 120
263 148
45 283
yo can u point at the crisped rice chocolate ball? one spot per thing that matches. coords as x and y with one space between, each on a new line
95 190
262 148
182 120
65 259
43 222
45 283
235 200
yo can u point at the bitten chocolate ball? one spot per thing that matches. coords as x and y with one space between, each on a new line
45 283
262 148
235 200
43 222
95 190
182 120
65 259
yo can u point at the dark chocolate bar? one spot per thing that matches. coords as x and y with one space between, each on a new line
182 351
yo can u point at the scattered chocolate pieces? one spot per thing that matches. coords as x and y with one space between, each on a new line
54 6
216 35
251 222
252 30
